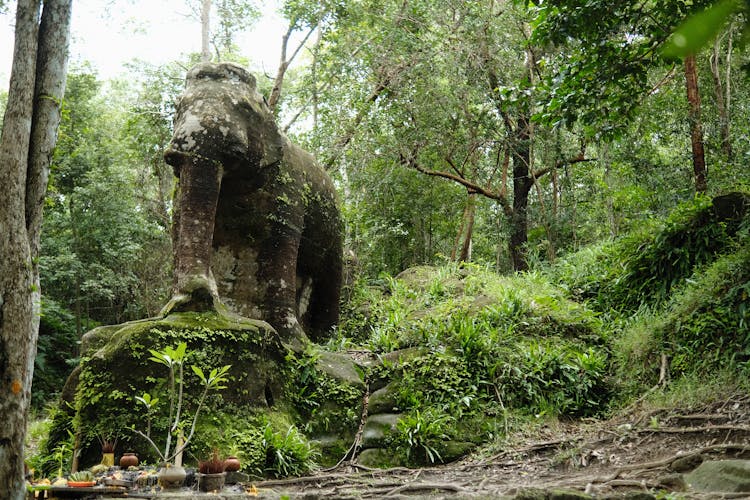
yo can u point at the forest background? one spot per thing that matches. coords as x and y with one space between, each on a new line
491 132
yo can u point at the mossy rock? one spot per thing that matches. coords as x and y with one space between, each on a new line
116 367
340 367
378 429
453 450
726 476
384 400
378 457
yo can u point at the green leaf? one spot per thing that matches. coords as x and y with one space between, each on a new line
699 29
198 372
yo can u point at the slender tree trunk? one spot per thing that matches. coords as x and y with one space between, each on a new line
284 63
466 248
555 185
522 183
551 252
696 127
721 108
522 176
728 77
205 30
462 248
459 233
29 132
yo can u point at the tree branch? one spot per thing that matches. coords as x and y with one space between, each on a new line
469 185
544 171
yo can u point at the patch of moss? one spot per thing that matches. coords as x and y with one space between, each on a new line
328 401
111 376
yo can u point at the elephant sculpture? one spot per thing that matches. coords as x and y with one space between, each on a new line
256 227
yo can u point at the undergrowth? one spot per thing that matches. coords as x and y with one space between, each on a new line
487 347
492 348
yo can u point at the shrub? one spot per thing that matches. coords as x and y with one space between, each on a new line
287 454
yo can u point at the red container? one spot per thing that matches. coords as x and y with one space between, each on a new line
232 464
128 460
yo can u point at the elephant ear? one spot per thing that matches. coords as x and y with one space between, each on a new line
273 143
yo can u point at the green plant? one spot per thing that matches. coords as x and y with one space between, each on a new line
174 359
214 465
83 476
288 454
421 434
63 453
107 443
553 378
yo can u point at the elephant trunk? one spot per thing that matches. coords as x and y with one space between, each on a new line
195 211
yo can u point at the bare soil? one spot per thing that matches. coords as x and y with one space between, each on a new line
641 453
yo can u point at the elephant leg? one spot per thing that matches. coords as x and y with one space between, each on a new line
326 294
277 270
200 180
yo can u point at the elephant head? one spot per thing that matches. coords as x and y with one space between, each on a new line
222 125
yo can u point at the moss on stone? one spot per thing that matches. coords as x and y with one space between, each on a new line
116 368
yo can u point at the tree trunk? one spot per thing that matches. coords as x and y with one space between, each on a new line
284 63
696 127
522 183
721 108
462 253
205 30
29 132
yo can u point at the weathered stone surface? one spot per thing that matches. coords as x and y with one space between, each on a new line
340 367
378 428
383 400
455 449
256 223
672 482
235 477
731 206
686 464
728 476
395 359
115 368
377 457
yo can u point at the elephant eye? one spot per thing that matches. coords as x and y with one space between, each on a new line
245 105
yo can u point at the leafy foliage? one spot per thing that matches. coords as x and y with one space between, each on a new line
325 403
477 347
100 243
57 352
288 453
420 435
644 267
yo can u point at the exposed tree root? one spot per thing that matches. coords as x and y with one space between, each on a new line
411 488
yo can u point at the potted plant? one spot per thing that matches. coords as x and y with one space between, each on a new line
81 479
211 473
108 450
173 475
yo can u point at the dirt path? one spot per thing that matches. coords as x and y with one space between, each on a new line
640 454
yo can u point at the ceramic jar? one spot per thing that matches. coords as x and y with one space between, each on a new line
232 464
128 460
171 476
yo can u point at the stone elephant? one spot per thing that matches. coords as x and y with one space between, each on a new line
256 227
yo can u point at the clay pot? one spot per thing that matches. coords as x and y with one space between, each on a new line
128 460
232 464
211 482
171 477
